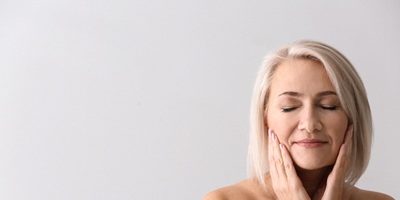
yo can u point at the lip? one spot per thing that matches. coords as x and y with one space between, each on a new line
310 143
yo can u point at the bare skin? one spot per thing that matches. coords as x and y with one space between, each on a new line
335 188
250 190
282 182
309 152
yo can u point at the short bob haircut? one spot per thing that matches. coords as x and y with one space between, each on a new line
349 88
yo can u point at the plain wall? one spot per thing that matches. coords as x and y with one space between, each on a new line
150 99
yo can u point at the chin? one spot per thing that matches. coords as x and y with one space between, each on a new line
312 160
309 167
306 164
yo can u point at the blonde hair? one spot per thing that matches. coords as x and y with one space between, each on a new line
349 88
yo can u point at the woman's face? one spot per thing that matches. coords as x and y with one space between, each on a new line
305 113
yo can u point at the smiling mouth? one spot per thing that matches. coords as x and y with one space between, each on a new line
310 143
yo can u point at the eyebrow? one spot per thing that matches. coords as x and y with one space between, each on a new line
296 94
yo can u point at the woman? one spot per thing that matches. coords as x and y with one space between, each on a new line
311 128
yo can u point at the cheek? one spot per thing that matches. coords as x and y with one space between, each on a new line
282 126
337 129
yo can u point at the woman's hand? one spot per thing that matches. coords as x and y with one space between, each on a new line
336 179
285 182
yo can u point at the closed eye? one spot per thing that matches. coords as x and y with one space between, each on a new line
329 107
285 110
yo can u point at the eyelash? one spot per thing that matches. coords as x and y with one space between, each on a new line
286 110
329 107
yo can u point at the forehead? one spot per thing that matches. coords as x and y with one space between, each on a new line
302 76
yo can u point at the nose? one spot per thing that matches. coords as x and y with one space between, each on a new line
309 120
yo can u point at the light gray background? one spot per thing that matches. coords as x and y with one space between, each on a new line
131 99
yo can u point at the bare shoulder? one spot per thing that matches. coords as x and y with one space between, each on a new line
366 194
244 190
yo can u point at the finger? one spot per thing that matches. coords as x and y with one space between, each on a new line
288 165
271 152
337 177
349 143
278 157
339 169
340 164
349 135
274 157
281 186
345 150
277 172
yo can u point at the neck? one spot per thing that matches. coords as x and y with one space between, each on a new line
313 179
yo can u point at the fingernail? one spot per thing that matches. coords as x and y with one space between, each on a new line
351 131
269 133
273 137
281 146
